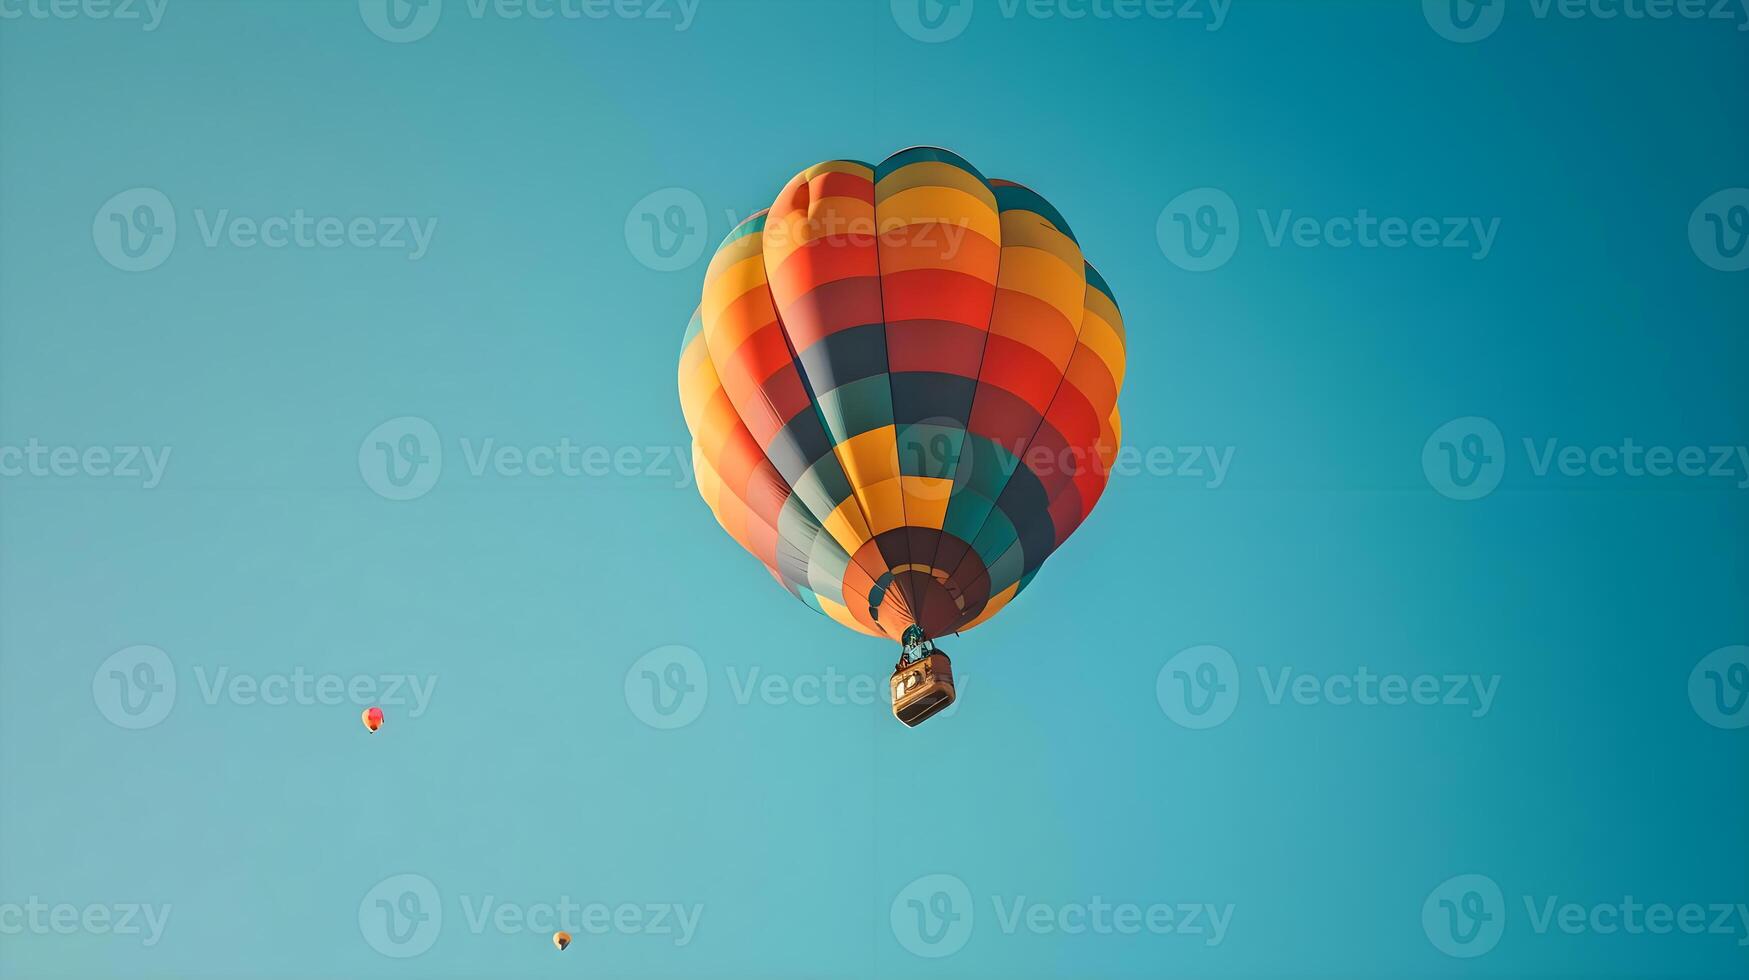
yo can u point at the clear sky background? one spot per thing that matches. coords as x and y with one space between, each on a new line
185 646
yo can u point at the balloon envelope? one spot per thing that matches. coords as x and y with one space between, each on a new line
902 384
373 718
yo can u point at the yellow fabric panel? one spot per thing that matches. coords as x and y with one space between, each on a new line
846 526
730 254
698 385
839 167
1039 273
726 289
885 504
935 173
717 423
841 615
926 499
1024 229
730 511
709 484
946 204
870 457
1099 336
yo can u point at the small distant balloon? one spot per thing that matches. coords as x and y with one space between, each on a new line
373 718
561 939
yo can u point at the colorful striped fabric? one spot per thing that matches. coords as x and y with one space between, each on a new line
901 384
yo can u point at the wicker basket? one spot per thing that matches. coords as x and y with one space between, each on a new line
922 688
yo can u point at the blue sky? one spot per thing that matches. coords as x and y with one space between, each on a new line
337 348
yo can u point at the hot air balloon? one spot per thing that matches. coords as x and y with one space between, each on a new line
901 383
561 939
373 718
